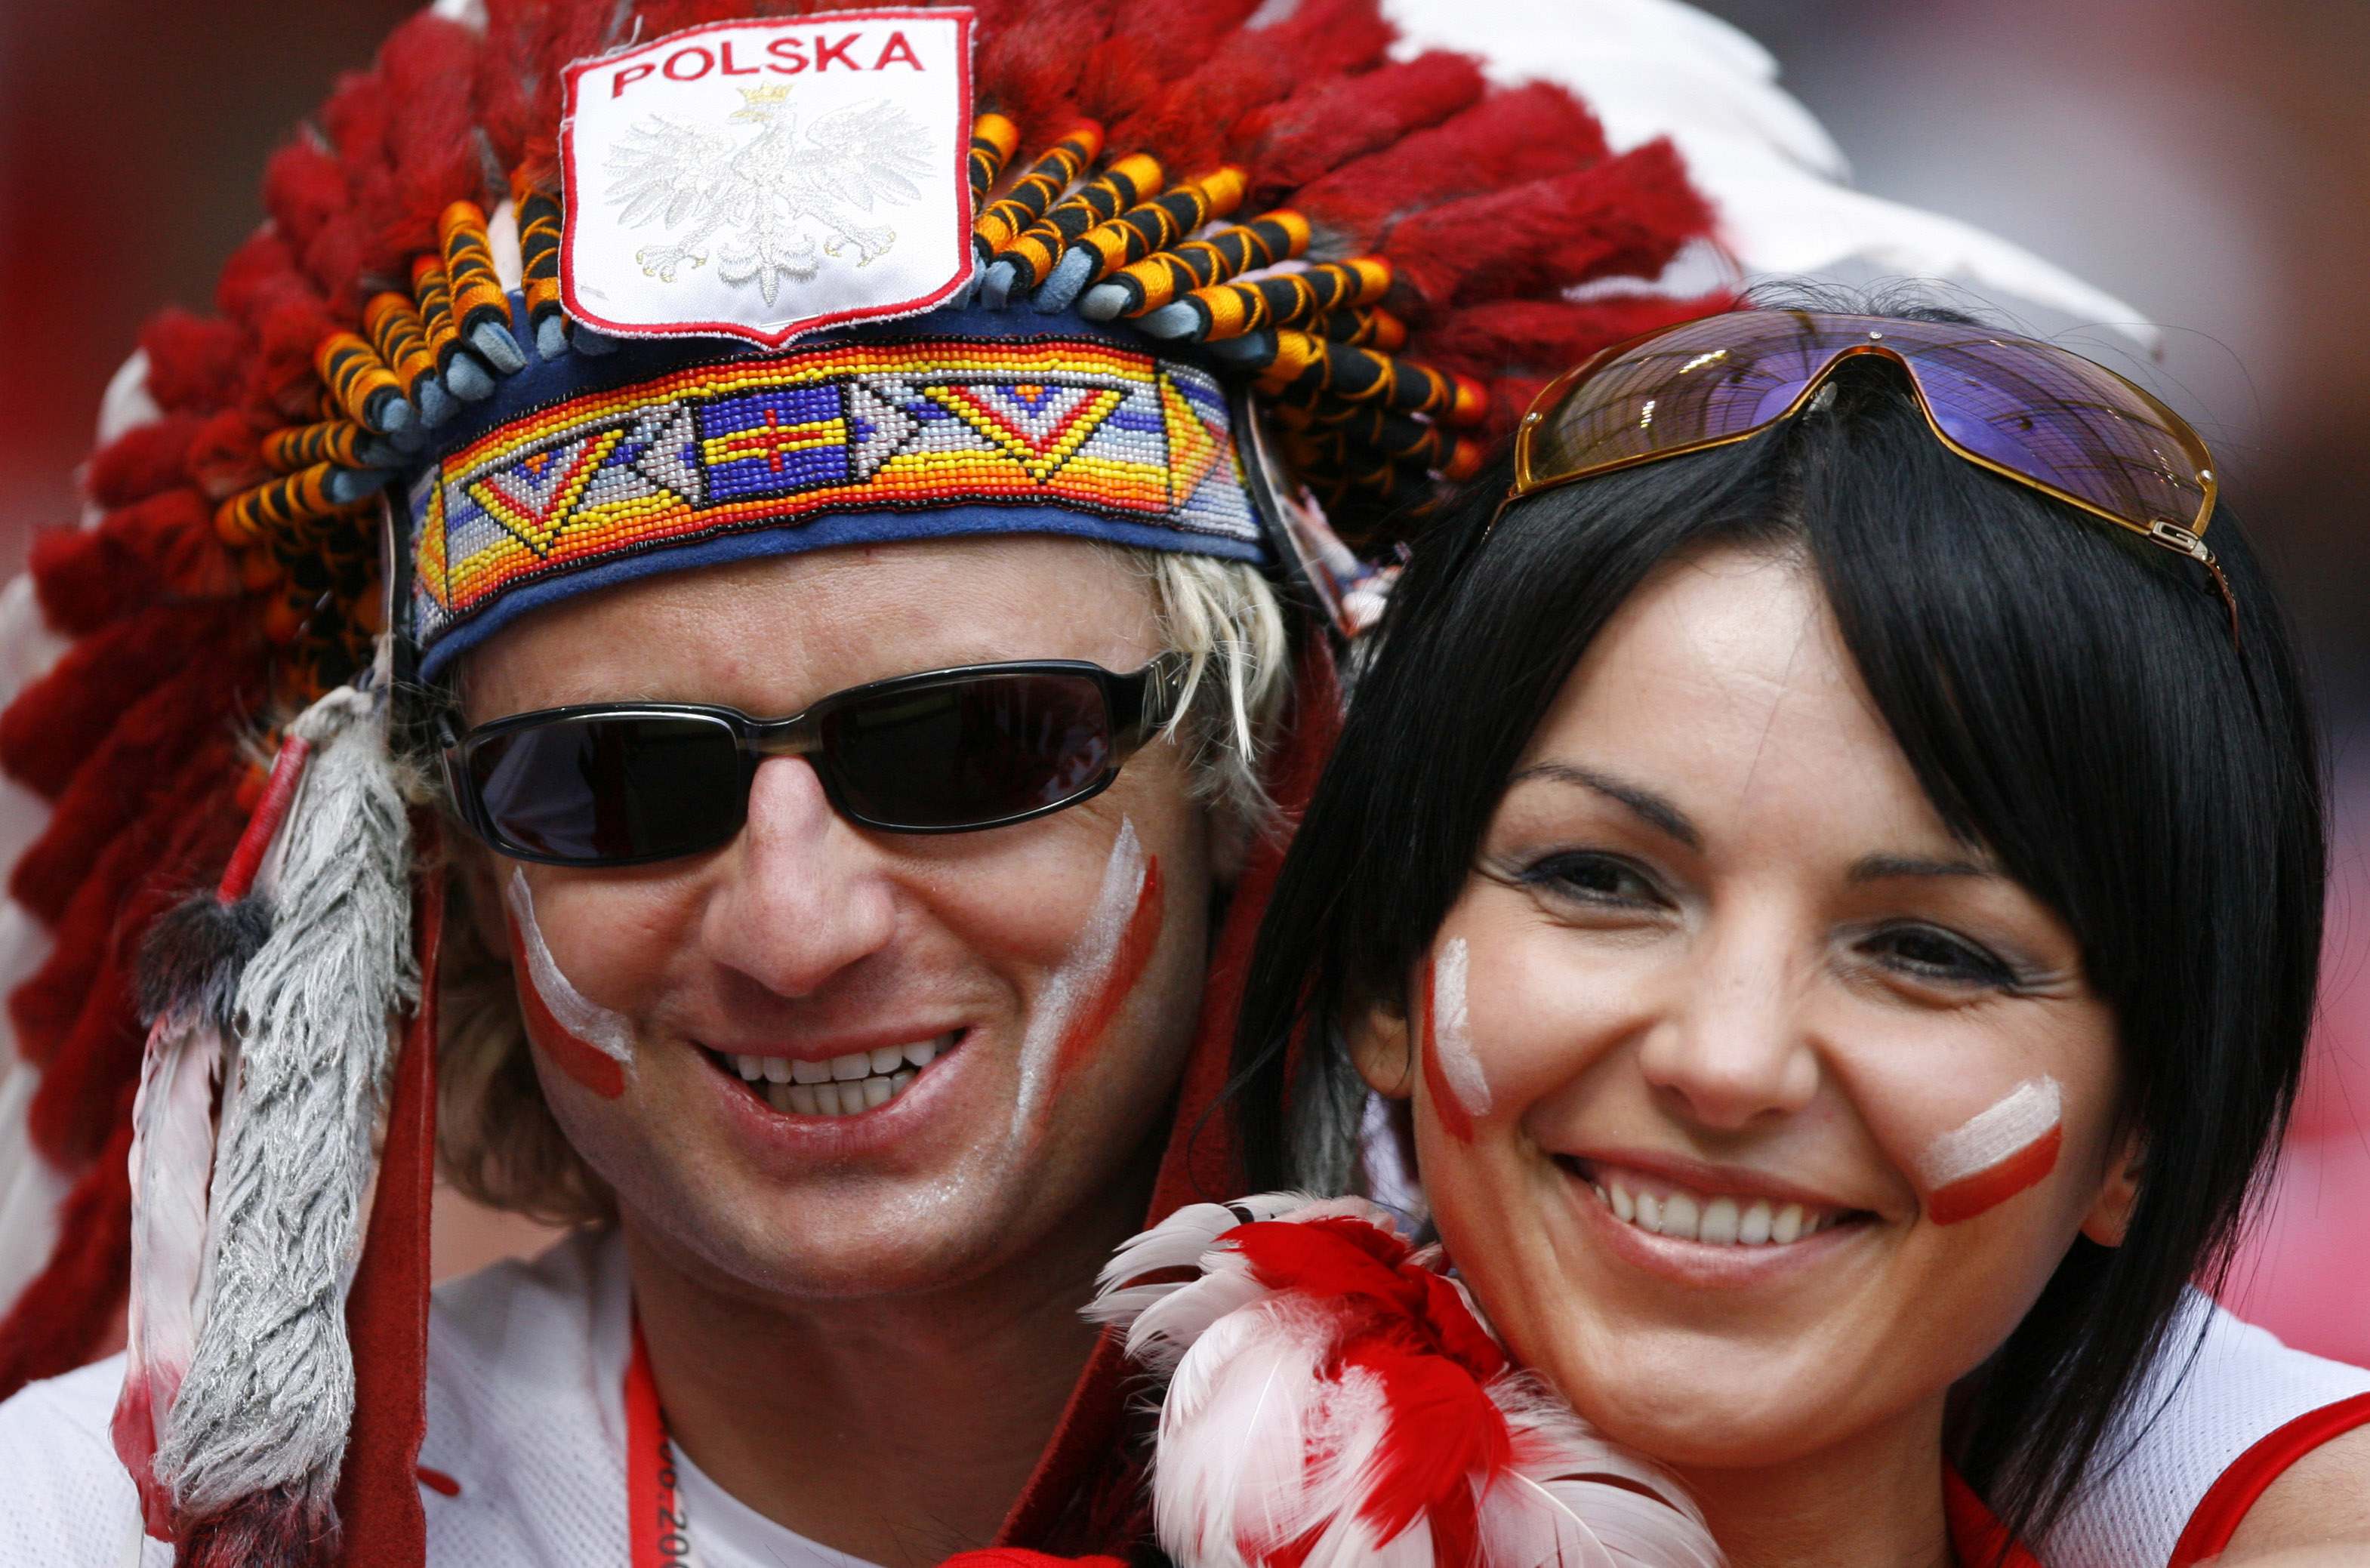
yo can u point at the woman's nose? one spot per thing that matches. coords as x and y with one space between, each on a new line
1734 1046
805 896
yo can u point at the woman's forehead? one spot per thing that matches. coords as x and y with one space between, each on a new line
1723 687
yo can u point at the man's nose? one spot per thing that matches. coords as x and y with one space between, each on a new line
804 895
1734 1045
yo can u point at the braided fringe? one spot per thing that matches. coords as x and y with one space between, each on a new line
256 1437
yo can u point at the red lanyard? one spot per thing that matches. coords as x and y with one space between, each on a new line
654 1517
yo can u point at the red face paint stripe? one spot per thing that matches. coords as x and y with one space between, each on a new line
587 1064
1128 961
1446 1109
1987 1190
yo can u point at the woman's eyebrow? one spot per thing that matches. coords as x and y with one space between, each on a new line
1657 811
1882 868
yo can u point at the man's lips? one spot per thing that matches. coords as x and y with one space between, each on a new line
844 1083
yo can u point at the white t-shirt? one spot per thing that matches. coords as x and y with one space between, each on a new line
527 1364
525 1413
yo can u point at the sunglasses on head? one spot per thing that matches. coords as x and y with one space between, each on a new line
943 751
2030 411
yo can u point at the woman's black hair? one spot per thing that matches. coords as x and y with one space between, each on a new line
2070 697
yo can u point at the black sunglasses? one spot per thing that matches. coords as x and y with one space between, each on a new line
944 750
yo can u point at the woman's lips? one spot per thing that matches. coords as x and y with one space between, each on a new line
1707 1231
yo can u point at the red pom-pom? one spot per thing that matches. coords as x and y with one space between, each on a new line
142 461
164 546
195 363
430 68
303 189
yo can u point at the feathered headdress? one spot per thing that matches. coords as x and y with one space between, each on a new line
1190 208
1333 1398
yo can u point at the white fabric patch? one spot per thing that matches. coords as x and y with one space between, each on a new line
2014 1125
765 179
1452 1028
587 1019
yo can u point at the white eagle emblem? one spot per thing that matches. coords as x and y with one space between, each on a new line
776 205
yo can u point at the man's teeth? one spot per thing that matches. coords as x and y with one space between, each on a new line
844 1085
1721 1221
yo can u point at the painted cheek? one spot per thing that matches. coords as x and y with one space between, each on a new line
1136 941
1995 1154
544 994
1452 1073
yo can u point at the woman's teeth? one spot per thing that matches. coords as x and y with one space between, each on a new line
1717 1220
842 1086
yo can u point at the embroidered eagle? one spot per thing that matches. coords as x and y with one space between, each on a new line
777 204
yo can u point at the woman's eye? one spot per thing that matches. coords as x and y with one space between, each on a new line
1931 954
1594 879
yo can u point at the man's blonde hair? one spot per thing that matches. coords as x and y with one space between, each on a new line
496 1141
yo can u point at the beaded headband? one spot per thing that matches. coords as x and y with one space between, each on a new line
962 423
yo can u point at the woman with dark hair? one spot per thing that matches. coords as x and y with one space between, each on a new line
1831 864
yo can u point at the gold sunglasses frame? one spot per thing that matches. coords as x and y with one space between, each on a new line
2188 539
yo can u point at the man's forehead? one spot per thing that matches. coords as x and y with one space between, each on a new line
773 634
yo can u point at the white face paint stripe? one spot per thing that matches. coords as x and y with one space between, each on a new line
1452 1027
1079 977
588 1020
2025 1116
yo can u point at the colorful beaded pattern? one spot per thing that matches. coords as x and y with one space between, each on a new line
1072 424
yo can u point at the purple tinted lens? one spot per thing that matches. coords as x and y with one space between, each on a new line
2035 411
2073 426
1708 380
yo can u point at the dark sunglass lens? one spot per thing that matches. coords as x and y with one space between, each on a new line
970 751
613 788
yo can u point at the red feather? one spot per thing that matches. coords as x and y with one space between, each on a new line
1252 67
143 460
1291 144
195 361
223 457
1445 1437
1627 214
59 1321
1529 133
57 722
166 545
429 65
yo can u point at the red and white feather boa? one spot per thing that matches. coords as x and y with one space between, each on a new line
1334 1399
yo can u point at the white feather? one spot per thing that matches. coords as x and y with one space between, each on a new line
172 1160
1261 1447
1572 1497
1775 180
1227 1472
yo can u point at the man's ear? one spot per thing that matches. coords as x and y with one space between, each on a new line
1382 1047
2110 1216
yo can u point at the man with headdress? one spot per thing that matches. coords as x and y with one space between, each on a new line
767 551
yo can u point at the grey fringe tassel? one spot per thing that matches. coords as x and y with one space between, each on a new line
264 1413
